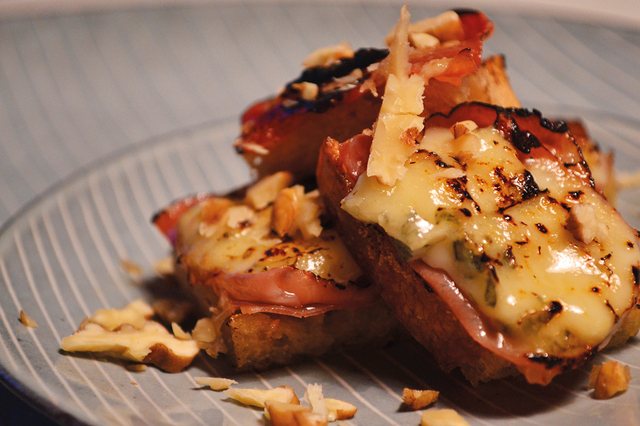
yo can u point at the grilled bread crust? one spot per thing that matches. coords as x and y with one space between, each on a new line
294 139
262 340
417 306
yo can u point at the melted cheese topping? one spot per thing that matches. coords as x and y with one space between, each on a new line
551 270
251 247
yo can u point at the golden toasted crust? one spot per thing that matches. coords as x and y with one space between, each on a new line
258 341
422 312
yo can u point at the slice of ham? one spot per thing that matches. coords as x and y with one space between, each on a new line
288 287
476 325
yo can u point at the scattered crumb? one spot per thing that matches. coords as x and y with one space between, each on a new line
151 344
165 266
315 398
339 410
609 379
418 399
444 417
257 397
132 269
215 383
27 321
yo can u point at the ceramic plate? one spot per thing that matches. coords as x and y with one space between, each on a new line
61 259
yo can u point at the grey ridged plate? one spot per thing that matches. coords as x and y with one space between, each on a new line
60 260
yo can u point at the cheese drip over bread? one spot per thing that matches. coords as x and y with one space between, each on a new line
534 262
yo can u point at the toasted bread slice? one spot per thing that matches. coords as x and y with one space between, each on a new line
272 283
285 132
417 306
421 309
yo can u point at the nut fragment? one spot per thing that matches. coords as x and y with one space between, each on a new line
308 91
265 191
205 331
463 127
295 211
444 417
239 216
445 27
135 313
325 56
609 379
584 224
257 397
285 211
26 320
164 266
179 332
283 414
418 399
315 398
339 410
150 344
131 268
215 383
423 41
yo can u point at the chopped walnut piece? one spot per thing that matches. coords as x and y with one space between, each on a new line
27 321
215 383
135 313
445 27
283 414
294 211
179 332
308 219
265 191
339 410
150 344
443 417
418 399
131 268
257 397
308 91
325 56
205 331
463 127
423 41
239 216
164 266
584 224
315 398
285 210
609 379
